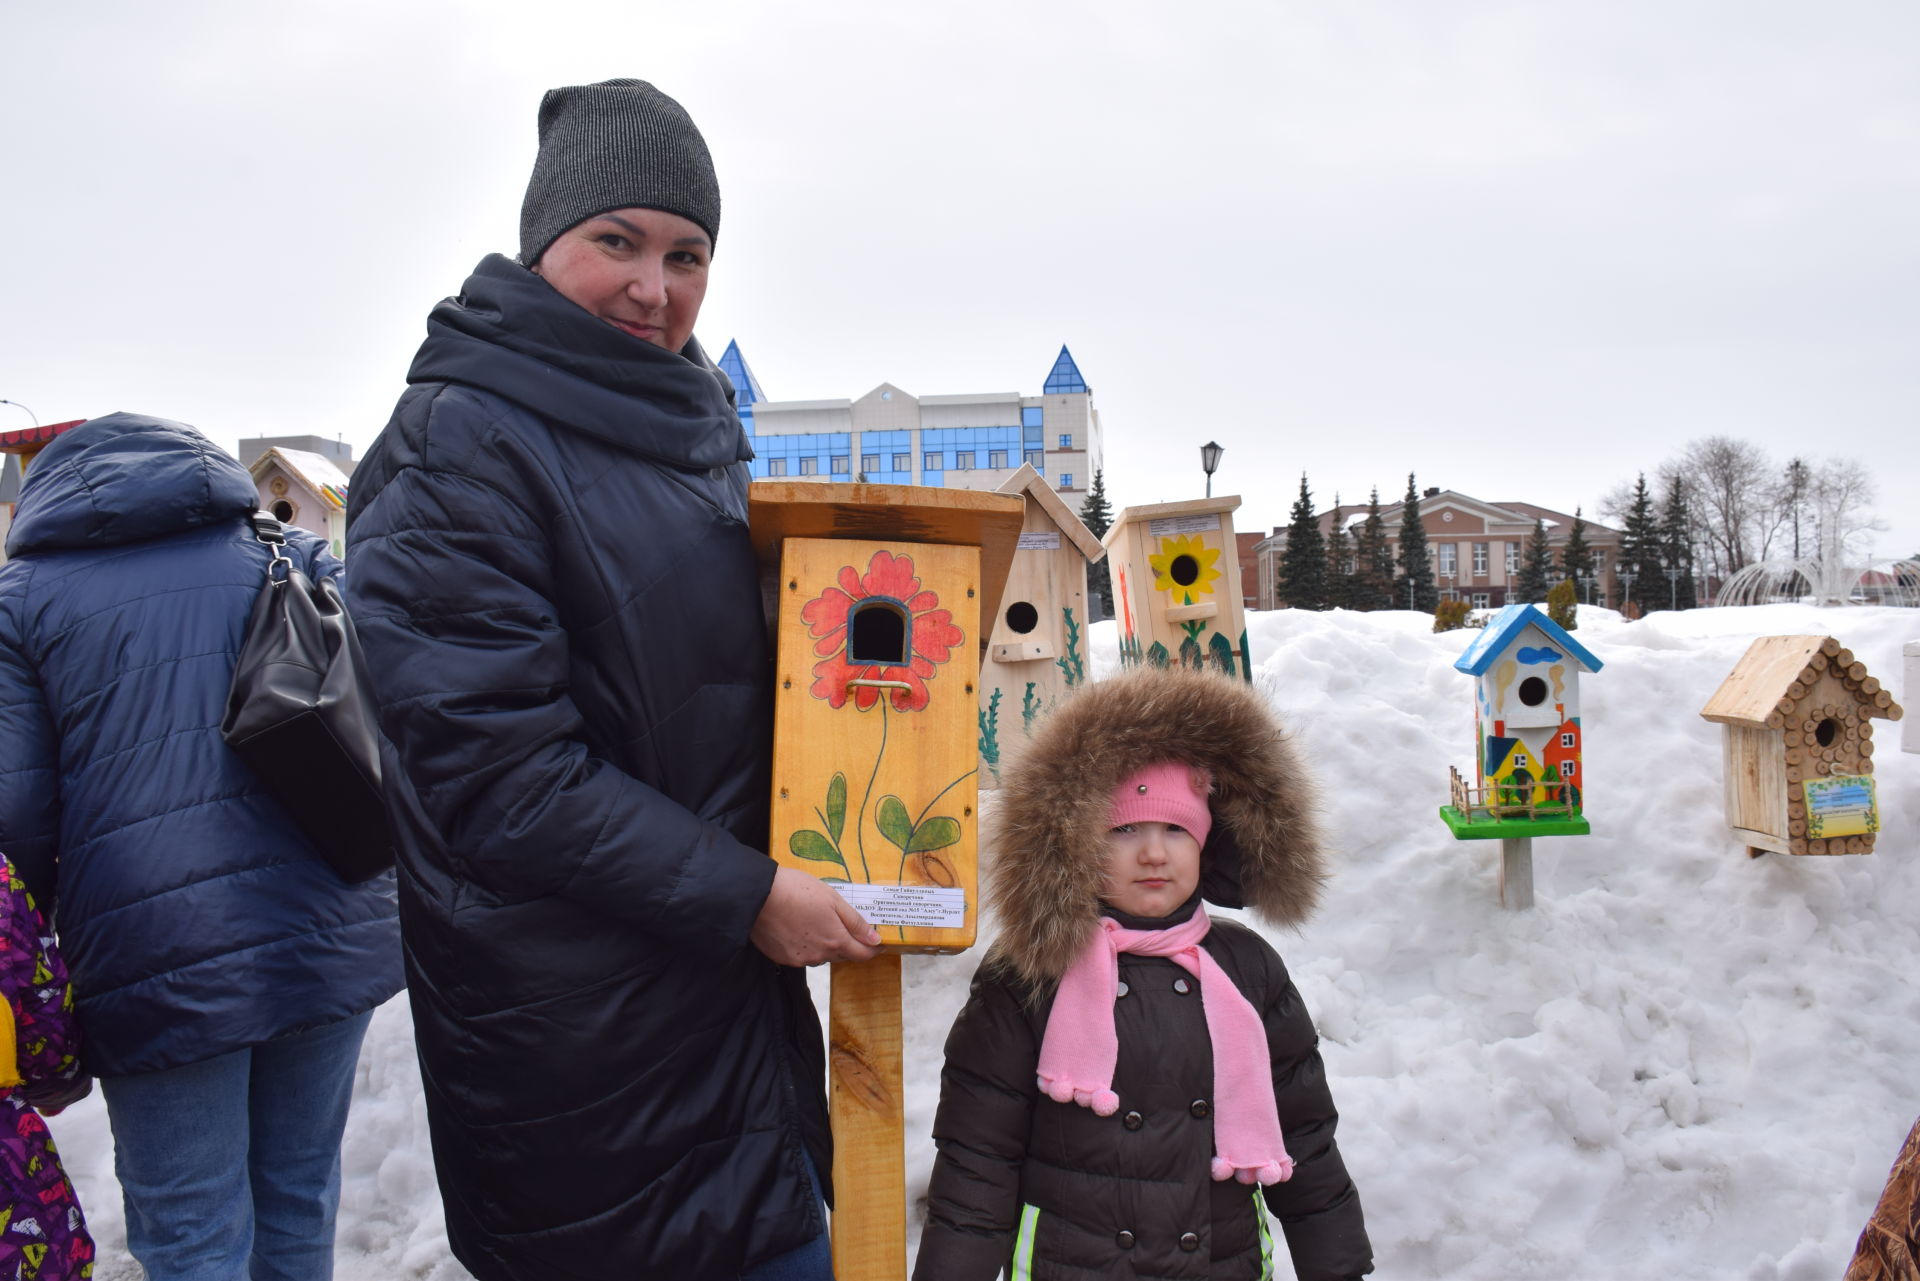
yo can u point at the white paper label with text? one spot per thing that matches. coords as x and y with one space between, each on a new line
1039 542
1183 525
927 907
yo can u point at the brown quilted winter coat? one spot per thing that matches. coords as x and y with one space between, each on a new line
1052 1191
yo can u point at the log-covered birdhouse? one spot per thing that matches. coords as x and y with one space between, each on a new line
1530 779
881 592
1176 586
1797 717
1037 645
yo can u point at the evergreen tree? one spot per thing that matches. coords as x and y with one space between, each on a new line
1414 587
1676 546
1576 558
1303 563
1536 566
1097 515
1640 553
1373 561
1340 567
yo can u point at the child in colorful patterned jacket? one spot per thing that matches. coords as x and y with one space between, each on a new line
43 1236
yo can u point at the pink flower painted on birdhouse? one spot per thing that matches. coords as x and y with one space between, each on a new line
880 627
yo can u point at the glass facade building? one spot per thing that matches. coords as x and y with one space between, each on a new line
890 436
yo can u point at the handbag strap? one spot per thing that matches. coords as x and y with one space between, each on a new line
273 534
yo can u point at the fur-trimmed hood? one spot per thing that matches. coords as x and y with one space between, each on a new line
1048 828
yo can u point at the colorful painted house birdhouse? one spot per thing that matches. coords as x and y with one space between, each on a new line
1529 776
877 639
1037 644
1798 715
1176 585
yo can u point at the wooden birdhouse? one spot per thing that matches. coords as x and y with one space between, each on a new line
1798 713
1176 584
1527 731
1910 732
880 593
1037 644
1529 777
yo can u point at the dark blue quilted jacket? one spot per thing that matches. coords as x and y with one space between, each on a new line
195 918
555 587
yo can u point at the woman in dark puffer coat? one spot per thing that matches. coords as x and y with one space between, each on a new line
223 972
1137 1184
556 591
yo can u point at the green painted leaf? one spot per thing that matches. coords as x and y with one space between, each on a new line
809 844
891 816
836 807
936 833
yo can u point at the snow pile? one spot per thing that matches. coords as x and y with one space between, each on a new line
1680 1063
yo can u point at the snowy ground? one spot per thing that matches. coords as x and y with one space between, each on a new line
1681 1063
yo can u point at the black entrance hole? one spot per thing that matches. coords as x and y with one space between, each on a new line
877 633
1022 617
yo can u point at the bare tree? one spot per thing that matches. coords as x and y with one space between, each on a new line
1842 490
1730 491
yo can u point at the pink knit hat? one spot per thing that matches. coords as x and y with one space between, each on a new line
1165 793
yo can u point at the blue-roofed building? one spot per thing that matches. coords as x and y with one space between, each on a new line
891 436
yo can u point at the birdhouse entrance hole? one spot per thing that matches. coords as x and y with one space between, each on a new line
1826 731
283 511
1022 617
877 632
1184 570
1533 691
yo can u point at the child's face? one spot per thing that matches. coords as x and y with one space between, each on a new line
1152 868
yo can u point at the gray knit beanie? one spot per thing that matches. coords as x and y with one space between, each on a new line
615 145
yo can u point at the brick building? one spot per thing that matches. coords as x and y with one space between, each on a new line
1476 547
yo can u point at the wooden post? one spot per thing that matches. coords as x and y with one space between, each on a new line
1516 872
869 1122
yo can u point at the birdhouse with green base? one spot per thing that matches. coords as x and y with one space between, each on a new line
1529 777
1176 586
1037 643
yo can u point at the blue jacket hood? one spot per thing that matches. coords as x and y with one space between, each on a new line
126 478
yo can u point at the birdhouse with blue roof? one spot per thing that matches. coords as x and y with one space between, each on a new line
1529 778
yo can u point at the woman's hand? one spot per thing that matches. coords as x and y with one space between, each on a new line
803 922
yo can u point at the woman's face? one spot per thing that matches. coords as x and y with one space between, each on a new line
1152 868
642 271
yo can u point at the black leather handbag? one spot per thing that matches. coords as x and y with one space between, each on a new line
300 712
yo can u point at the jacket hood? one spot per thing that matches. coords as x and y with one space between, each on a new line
125 478
1048 828
511 333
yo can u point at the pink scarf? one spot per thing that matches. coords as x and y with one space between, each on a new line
1078 1053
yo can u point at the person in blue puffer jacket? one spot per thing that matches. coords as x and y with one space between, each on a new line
224 974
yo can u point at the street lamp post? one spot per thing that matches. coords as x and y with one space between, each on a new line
1673 587
17 405
1626 577
1586 586
1210 459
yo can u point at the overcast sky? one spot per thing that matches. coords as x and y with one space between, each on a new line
1522 249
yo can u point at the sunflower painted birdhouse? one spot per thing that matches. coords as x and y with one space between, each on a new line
1037 643
881 592
1176 585
1797 717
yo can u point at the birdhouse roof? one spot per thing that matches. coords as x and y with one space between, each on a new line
1505 628
1764 681
1167 511
319 474
1029 482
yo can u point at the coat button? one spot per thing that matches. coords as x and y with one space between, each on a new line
1182 986
1133 1120
1199 1108
1123 989
1123 1239
1189 1241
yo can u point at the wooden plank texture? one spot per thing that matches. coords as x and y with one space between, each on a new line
869 1122
874 785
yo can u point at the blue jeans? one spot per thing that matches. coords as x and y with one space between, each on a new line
230 1168
810 1262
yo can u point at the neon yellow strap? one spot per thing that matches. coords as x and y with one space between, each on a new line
1023 1244
1266 1237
